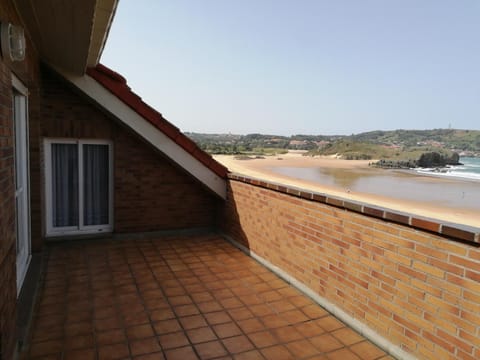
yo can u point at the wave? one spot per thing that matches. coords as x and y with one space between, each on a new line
465 166
451 173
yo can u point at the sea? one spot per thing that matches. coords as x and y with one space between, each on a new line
455 187
469 170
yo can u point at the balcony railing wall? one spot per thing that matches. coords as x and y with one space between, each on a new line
418 290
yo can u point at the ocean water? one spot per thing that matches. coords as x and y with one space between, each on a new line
469 170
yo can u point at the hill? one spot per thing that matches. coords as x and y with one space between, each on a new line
377 144
466 140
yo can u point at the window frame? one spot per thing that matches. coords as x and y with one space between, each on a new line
21 119
52 231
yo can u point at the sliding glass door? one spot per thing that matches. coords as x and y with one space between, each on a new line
79 186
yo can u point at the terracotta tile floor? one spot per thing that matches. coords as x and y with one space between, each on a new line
183 298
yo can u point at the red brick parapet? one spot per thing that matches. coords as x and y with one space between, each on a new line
453 231
410 284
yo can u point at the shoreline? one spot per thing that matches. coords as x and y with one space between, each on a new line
262 169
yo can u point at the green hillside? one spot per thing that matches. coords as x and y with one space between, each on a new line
390 157
355 150
402 144
468 140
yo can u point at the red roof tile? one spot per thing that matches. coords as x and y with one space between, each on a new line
117 85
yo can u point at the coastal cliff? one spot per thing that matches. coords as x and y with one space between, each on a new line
435 159
431 159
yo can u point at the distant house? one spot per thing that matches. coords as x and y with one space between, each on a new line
80 153
432 143
294 143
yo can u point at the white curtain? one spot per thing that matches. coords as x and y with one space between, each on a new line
95 184
65 184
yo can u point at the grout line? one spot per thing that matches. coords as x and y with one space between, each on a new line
91 303
162 291
147 310
177 317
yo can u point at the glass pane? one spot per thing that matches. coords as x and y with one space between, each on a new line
18 170
65 185
95 180
17 228
18 103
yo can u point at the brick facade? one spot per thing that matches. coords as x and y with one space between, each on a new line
7 211
27 72
150 193
419 290
153 194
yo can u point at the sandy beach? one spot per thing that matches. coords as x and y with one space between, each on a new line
266 167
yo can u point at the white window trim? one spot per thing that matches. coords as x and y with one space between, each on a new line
52 231
18 85
20 88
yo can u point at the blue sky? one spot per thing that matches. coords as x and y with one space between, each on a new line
302 66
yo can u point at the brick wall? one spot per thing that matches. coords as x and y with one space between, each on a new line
27 72
7 215
421 291
150 192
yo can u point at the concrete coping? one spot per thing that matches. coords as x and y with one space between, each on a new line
453 231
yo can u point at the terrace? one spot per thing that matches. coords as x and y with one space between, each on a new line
410 284
178 297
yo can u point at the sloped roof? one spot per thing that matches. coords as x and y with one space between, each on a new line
117 85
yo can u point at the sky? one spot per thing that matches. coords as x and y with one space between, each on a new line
289 67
